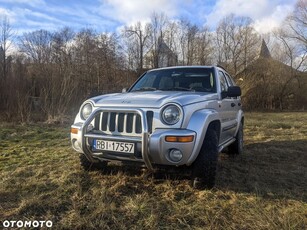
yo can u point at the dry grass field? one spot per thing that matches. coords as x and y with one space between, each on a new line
265 188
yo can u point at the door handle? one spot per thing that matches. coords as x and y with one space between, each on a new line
233 104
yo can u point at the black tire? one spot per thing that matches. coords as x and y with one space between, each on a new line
236 147
204 167
87 165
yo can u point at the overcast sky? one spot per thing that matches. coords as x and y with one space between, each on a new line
109 15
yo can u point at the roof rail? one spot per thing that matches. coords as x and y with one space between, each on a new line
222 67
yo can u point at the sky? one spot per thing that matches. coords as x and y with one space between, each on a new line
111 15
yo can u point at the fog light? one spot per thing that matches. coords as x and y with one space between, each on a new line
175 155
75 144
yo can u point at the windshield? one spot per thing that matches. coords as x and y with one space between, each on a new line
177 79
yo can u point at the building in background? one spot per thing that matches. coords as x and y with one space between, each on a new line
270 84
160 56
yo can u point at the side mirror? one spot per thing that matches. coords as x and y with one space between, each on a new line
233 91
124 90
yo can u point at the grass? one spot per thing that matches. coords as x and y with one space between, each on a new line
265 188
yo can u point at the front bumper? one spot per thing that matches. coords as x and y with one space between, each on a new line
151 148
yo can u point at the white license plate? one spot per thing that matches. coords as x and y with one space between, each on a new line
114 146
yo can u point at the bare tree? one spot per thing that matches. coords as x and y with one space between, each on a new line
55 71
297 22
37 45
292 40
158 27
5 44
191 43
85 49
296 29
6 36
204 48
184 28
142 37
109 63
236 42
170 40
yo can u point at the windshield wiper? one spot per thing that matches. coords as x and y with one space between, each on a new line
145 89
178 88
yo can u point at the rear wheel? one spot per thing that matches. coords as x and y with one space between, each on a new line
87 165
204 167
236 147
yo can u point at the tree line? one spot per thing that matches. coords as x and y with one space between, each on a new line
45 75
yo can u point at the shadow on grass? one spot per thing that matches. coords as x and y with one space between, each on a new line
275 169
135 169
272 170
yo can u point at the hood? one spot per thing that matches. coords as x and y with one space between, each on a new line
151 99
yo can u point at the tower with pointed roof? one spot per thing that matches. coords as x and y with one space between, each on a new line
270 84
264 50
165 56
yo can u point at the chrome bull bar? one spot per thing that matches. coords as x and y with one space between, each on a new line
144 134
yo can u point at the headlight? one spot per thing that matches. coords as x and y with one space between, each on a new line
86 111
171 114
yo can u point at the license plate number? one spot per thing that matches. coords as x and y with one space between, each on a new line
114 146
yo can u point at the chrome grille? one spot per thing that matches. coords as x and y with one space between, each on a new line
119 123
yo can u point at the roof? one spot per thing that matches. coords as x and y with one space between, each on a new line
264 51
162 47
186 66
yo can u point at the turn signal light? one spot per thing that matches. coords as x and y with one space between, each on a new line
179 138
74 130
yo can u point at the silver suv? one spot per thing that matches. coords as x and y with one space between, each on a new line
171 116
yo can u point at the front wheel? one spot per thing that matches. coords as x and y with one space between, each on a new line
204 167
236 147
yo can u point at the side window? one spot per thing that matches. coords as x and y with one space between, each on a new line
229 80
223 82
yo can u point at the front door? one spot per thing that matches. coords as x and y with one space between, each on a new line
228 109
